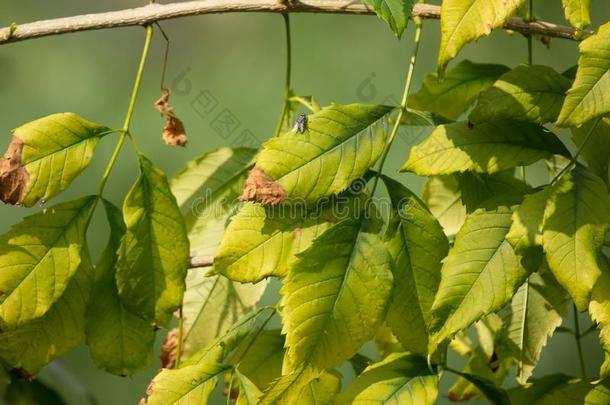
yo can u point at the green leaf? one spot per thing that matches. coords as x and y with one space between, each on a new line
322 390
120 342
395 12
463 21
528 220
287 389
187 385
480 274
486 148
531 93
596 150
604 370
154 253
417 245
206 189
335 296
489 190
340 144
589 96
22 392
35 344
599 307
262 363
400 378
536 310
494 394
574 230
577 12
262 241
56 149
211 305
443 197
38 258
578 392
249 394
537 389
460 87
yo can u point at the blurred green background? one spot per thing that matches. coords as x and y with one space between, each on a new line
228 65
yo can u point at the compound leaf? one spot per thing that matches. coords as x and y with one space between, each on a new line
395 12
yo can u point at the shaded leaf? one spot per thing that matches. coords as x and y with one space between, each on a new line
457 91
262 363
154 252
480 274
53 150
38 258
120 342
395 12
574 230
417 245
335 296
578 392
536 310
249 394
537 389
22 392
532 93
341 143
596 150
494 394
463 21
287 388
486 148
206 189
589 96
212 304
401 378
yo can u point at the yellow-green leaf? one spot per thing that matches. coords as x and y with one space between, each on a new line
577 12
599 307
443 197
38 258
463 21
589 96
596 150
395 12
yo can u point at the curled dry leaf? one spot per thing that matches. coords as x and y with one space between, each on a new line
173 131
13 175
261 187
169 349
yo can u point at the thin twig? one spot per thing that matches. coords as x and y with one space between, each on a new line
285 101
165 56
154 12
201 261
577 336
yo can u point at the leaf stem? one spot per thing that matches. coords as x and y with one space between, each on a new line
403 103
285 102
180 334
130 109
528 18
577 337
230 386
574 159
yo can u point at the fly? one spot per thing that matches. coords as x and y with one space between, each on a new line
300 124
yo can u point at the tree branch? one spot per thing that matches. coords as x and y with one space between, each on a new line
201 261
156 12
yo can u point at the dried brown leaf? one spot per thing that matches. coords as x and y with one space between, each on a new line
174 133
169 349
261 187
14 177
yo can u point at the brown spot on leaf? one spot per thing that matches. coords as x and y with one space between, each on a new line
169 350
261 187
296 233
489 28
14 177
173 131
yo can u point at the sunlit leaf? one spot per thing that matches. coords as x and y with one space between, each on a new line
340 144
322 390
486 148
38 258
262 363
154 252
480 274
336 296
458 90
400 378
494 394
532 93
463 21
443 197
589 96
577 12
574 229
22 392
56 149
599 307
596 150
417 245
120 342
